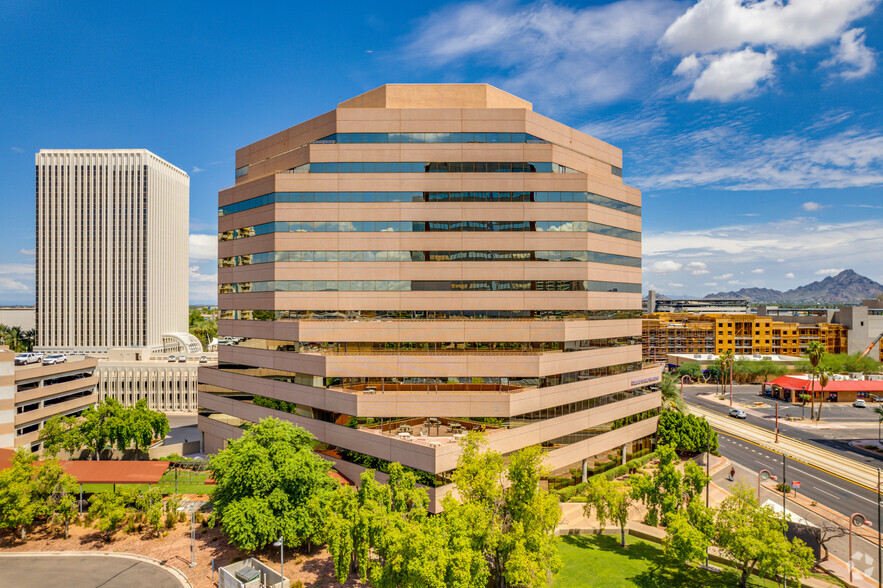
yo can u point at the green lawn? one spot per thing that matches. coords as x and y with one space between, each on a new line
598 560
188 483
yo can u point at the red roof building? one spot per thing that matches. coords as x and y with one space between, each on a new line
835 390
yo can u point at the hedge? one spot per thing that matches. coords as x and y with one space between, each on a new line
570 493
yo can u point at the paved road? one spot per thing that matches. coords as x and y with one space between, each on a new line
83 571
832 439
829 490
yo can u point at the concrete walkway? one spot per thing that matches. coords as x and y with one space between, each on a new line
83 569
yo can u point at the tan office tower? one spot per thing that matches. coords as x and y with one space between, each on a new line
425 260
112 249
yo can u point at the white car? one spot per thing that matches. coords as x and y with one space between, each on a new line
171 358
860 403
54 358
26 358
738 413
182 358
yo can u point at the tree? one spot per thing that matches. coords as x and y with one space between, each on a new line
690 368
269 483
824 376
110 509
610 500
685 432
515 523
17 507
753 538
814 352
727 359
667 491
151 504
145 425
60 433
671 396
766 369
683 541
202 328
824 531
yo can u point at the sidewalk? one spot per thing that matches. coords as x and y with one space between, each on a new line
835 464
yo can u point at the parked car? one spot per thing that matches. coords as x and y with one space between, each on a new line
203 359
26 358
876 398
738 413
860 403
172 358
182 358
54 358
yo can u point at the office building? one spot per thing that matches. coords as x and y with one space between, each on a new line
424 260
111 249
32 394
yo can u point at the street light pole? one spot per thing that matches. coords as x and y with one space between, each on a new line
763 475
192 538
856 520
281 545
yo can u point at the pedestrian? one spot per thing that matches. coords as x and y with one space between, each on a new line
732 474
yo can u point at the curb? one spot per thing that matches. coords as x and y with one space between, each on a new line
176 572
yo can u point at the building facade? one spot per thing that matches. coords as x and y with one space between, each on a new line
111 249
424 260
30 395
743 334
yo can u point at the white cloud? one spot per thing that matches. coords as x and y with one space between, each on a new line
829 271
854 54
197 169
709 284
664 267
715 25
698 268
675 285
758 270
601 51
690 66
203 287
12 286
811 206
734 283
16 269
732 75
28 251
203 247
799 246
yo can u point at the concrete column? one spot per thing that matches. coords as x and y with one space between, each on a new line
585 470
624 452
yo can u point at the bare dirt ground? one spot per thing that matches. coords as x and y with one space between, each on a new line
315 569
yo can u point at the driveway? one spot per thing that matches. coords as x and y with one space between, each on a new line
83 571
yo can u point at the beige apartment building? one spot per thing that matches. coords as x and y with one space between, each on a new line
111 249
32 394
424 260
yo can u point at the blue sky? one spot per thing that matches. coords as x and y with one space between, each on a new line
754 128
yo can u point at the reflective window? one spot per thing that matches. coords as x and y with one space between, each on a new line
427 226
426 315
410 167
409 256
370 197
427 286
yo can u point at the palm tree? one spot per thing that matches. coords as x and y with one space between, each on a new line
814 352
671 397
824 376
727 369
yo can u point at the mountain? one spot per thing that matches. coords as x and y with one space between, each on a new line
847 286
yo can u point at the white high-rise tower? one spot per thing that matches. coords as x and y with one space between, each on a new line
112 249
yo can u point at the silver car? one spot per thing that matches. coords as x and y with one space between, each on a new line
738 413
54 358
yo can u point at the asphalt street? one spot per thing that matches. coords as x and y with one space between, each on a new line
857 423
835 493
83 571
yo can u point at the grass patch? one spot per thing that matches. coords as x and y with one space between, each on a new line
598 560
188 483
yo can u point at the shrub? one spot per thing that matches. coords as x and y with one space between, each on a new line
182 516
784 488
170 520
199 519
632 466
130 525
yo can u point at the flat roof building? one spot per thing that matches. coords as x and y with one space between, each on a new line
111 249
424 260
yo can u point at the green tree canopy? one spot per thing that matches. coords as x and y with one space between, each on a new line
753 537
690 368
610 501
685 432
269 483
668 491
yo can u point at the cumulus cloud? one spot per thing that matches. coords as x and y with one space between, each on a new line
829 271
723 277
675 285
203 287
203 247
789 275
718 37
16 283
698 268
854 54
758 270
665 267
811 206
732 75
